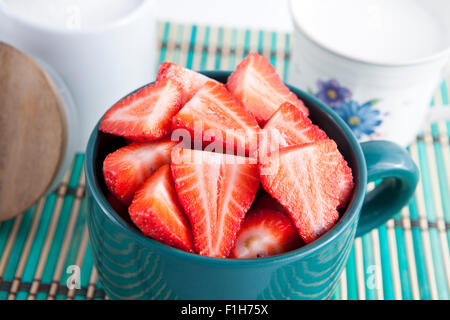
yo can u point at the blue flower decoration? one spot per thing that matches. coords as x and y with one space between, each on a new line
362 119
332 93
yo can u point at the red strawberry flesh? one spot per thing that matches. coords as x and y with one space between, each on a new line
305 180
157 213
293 126
127 168
264 233
189 80
216 191
145 115
288 127
213 114
258 86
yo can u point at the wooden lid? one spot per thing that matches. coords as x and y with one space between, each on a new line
32 130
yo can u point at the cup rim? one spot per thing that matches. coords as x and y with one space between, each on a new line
116 23
343 223
411 62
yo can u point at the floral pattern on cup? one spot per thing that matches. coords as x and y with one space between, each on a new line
332 93
362 118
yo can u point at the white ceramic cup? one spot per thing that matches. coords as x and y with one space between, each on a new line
99 62
377 63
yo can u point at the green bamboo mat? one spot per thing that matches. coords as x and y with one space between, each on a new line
408 258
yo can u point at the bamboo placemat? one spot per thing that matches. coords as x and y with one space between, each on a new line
408 258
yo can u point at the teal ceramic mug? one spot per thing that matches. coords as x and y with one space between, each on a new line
132 266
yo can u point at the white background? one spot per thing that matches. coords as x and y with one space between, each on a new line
258 14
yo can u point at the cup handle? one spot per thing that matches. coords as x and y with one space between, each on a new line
391 163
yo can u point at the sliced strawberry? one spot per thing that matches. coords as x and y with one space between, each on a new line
216 191
293 126
288 127
257 85
213 114
305 180
346 184
190 81
145 115
157 213
264 233
127 168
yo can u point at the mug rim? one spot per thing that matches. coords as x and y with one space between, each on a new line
116 23
354 207
412 62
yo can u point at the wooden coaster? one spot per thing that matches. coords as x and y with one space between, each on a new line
33 132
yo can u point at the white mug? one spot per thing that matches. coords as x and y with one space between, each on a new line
101 49
377 63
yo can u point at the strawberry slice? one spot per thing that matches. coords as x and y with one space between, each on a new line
189 80
305 180
264 233
145 115
215 115
257 85
346 184
127 168
288 127
216 191
155 210
293 126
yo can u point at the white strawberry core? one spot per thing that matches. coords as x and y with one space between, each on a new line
255 242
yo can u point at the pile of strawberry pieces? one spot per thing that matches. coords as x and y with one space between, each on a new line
198 151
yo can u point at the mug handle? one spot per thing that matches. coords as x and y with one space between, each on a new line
391 163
